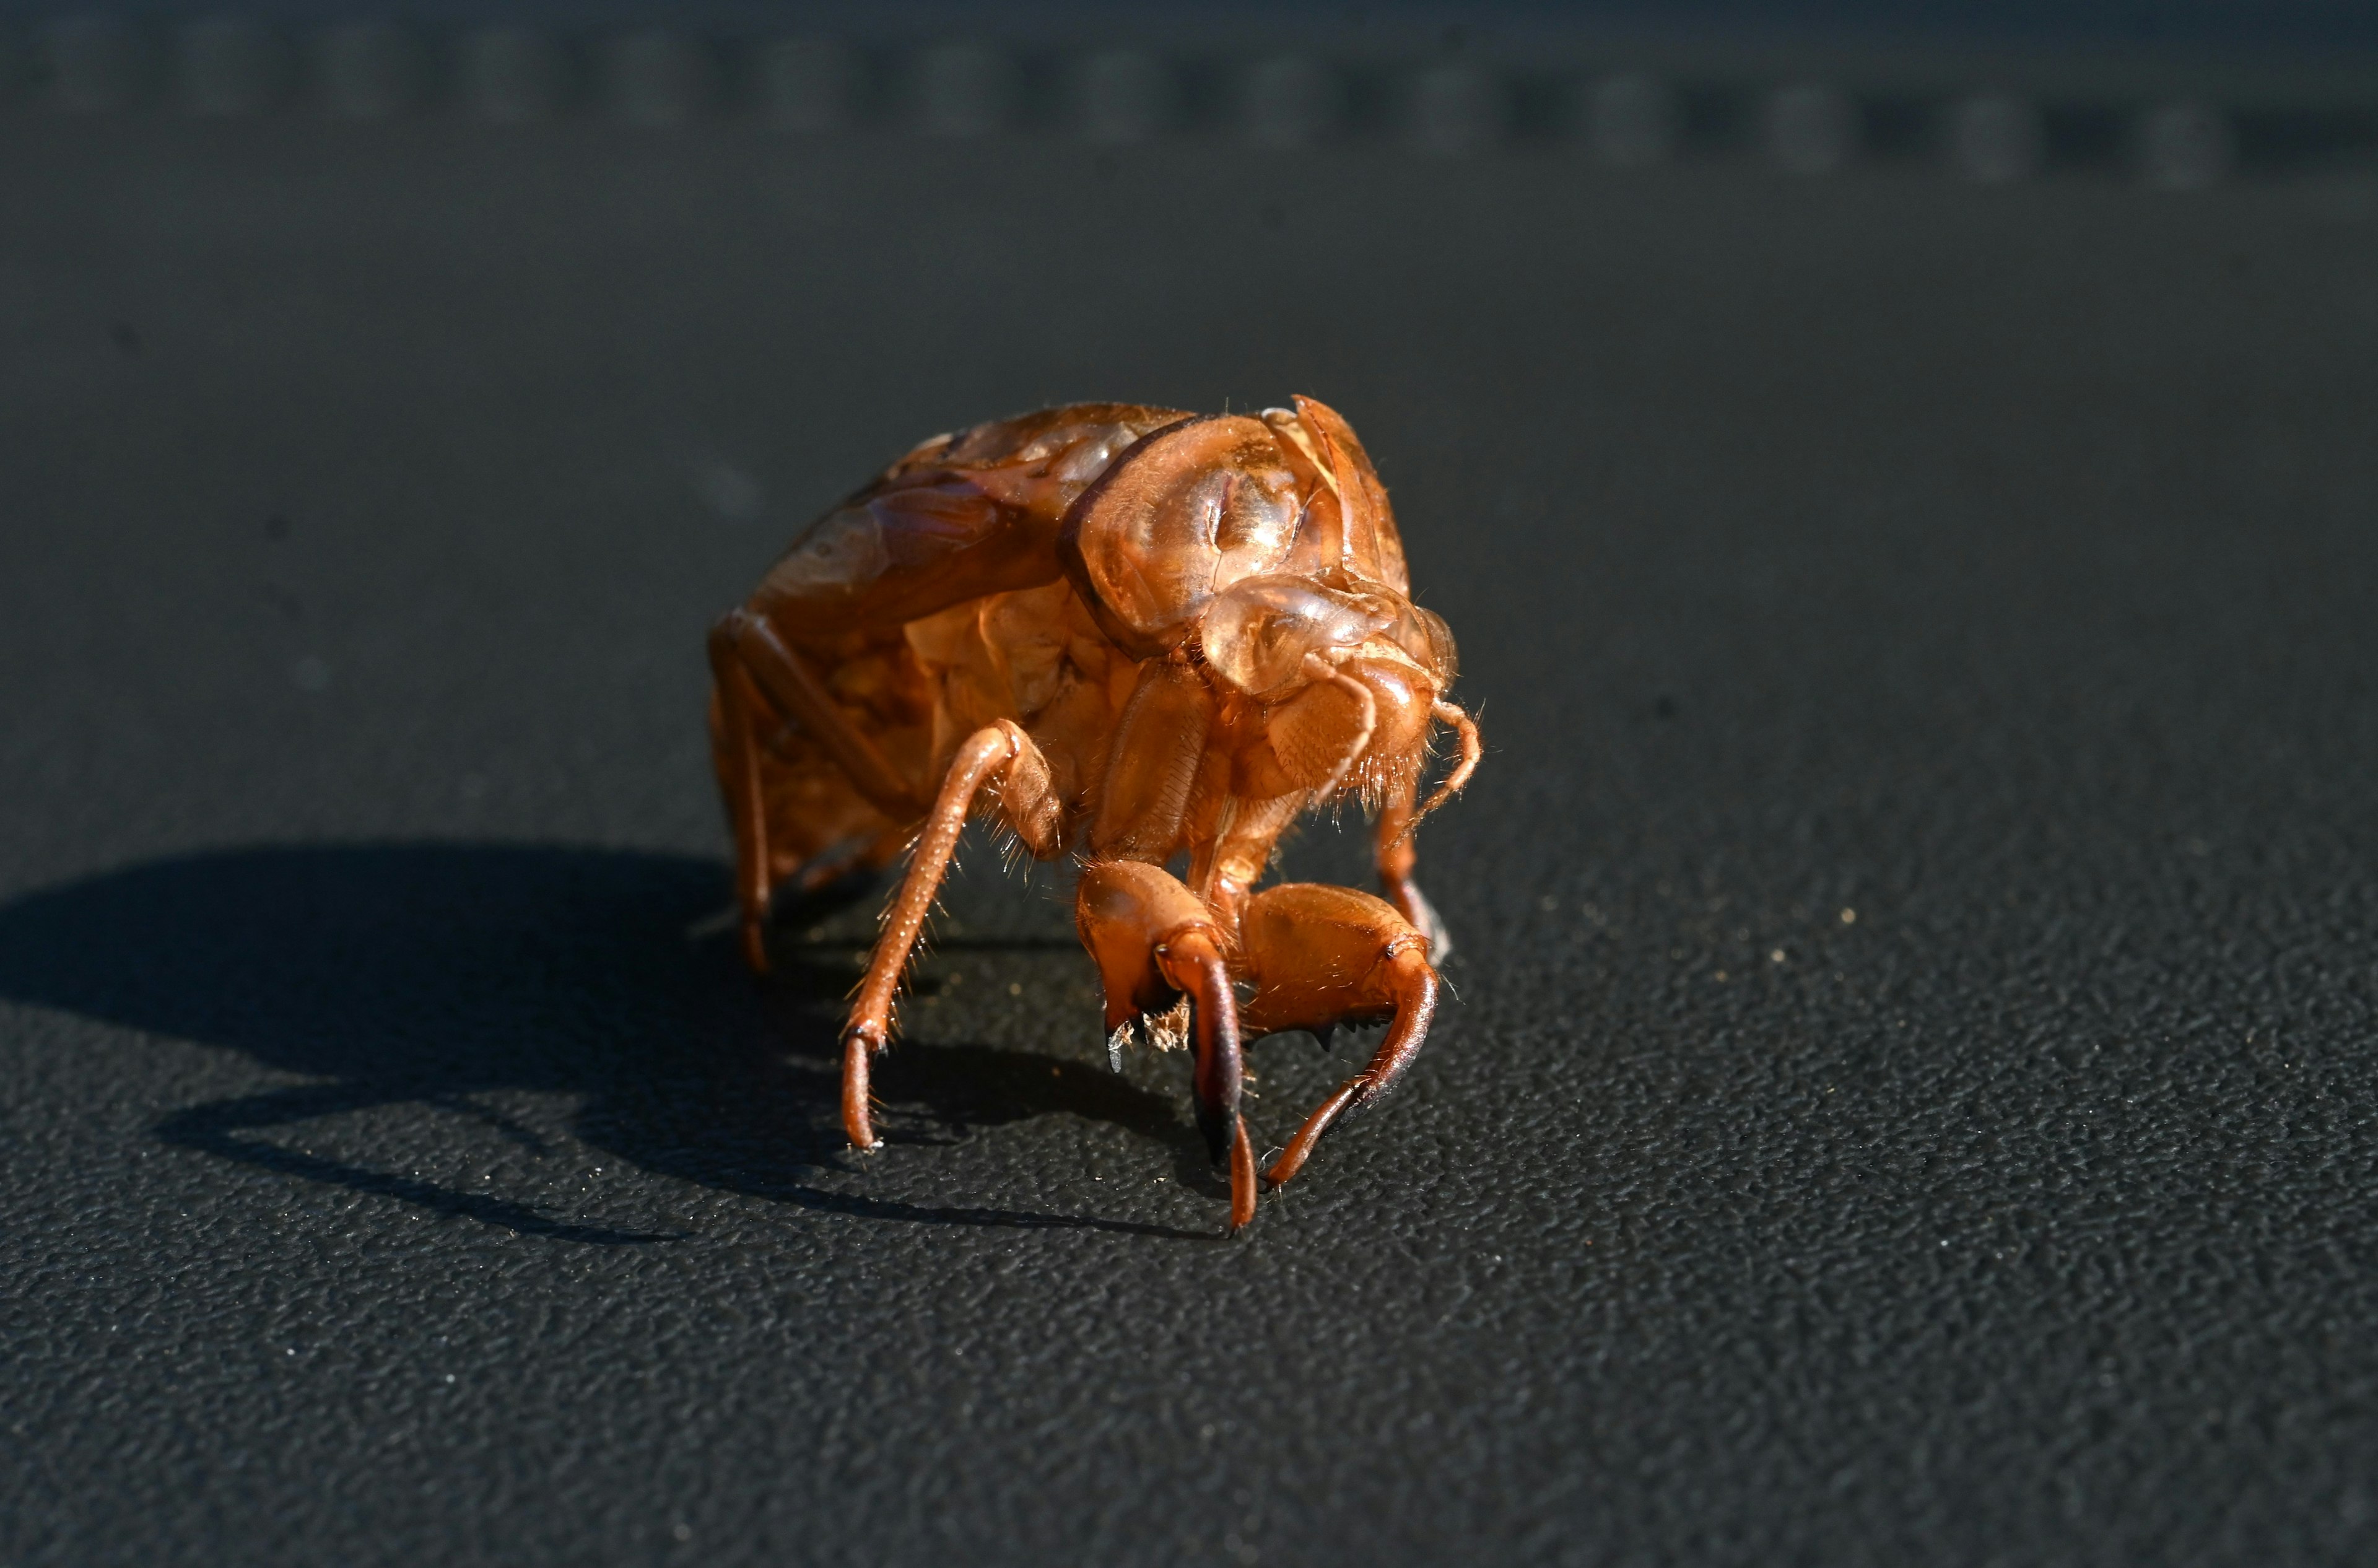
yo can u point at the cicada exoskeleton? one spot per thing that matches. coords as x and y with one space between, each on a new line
1138 638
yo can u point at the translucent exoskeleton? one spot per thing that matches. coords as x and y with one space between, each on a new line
1137 638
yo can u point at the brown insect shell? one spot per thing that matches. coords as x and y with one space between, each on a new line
1088 540
962 515
1316 953
1127 912
1256 633
1402 693
1207 502
1293 741
1193 507
1003 656
1352 526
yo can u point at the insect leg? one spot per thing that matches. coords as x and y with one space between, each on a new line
1399 816
1154 941
1242 852
1396 858
733 722
999 753
1322 955
1195 961
1473 750
778 672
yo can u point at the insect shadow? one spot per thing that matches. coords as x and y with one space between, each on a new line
428 974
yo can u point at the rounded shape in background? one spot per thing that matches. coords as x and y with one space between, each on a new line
370 70
656 77
228 67
2184 146
1125 95
511 74
1458 109
1809 128
811 86
962 90
1631 121
1995 137
1289 101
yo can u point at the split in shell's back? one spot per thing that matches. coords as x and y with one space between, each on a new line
1149 511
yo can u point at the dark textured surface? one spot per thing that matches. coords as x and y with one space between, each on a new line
394 1168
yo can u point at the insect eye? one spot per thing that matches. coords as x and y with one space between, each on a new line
1257 632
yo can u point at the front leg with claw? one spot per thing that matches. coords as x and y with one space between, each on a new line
1319 956
1156 943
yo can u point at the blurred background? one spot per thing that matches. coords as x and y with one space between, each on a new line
1902 476
372 273
2174 94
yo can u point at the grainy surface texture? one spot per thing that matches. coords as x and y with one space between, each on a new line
395 1168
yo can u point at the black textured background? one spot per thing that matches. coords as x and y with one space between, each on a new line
394 1168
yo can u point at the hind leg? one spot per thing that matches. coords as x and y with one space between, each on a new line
736 750
845 806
